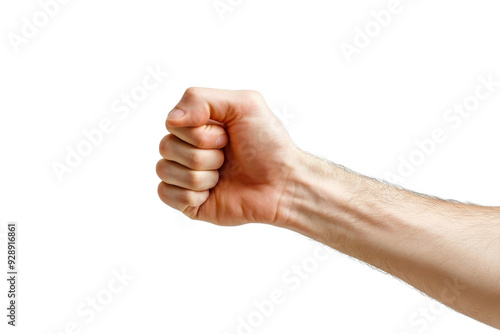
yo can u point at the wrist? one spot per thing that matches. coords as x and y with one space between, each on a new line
328 203
314 192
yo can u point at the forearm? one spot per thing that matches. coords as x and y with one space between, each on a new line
450 251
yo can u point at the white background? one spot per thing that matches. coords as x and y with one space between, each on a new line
194 277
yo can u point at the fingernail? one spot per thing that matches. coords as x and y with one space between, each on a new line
221 140
176 114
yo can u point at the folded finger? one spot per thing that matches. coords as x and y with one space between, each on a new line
180 198
175 174
206 136
174 149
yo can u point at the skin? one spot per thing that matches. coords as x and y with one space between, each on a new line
228 161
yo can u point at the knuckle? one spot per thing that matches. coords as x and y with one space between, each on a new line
189 198
165 144
195 180
192 92
200 140
252 95
196 160
160 167
162 191
251 100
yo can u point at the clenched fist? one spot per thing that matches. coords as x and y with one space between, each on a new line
227 158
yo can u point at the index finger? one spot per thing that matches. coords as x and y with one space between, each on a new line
206 136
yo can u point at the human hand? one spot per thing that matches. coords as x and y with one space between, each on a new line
227 158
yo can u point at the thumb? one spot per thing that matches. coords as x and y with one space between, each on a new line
198 105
